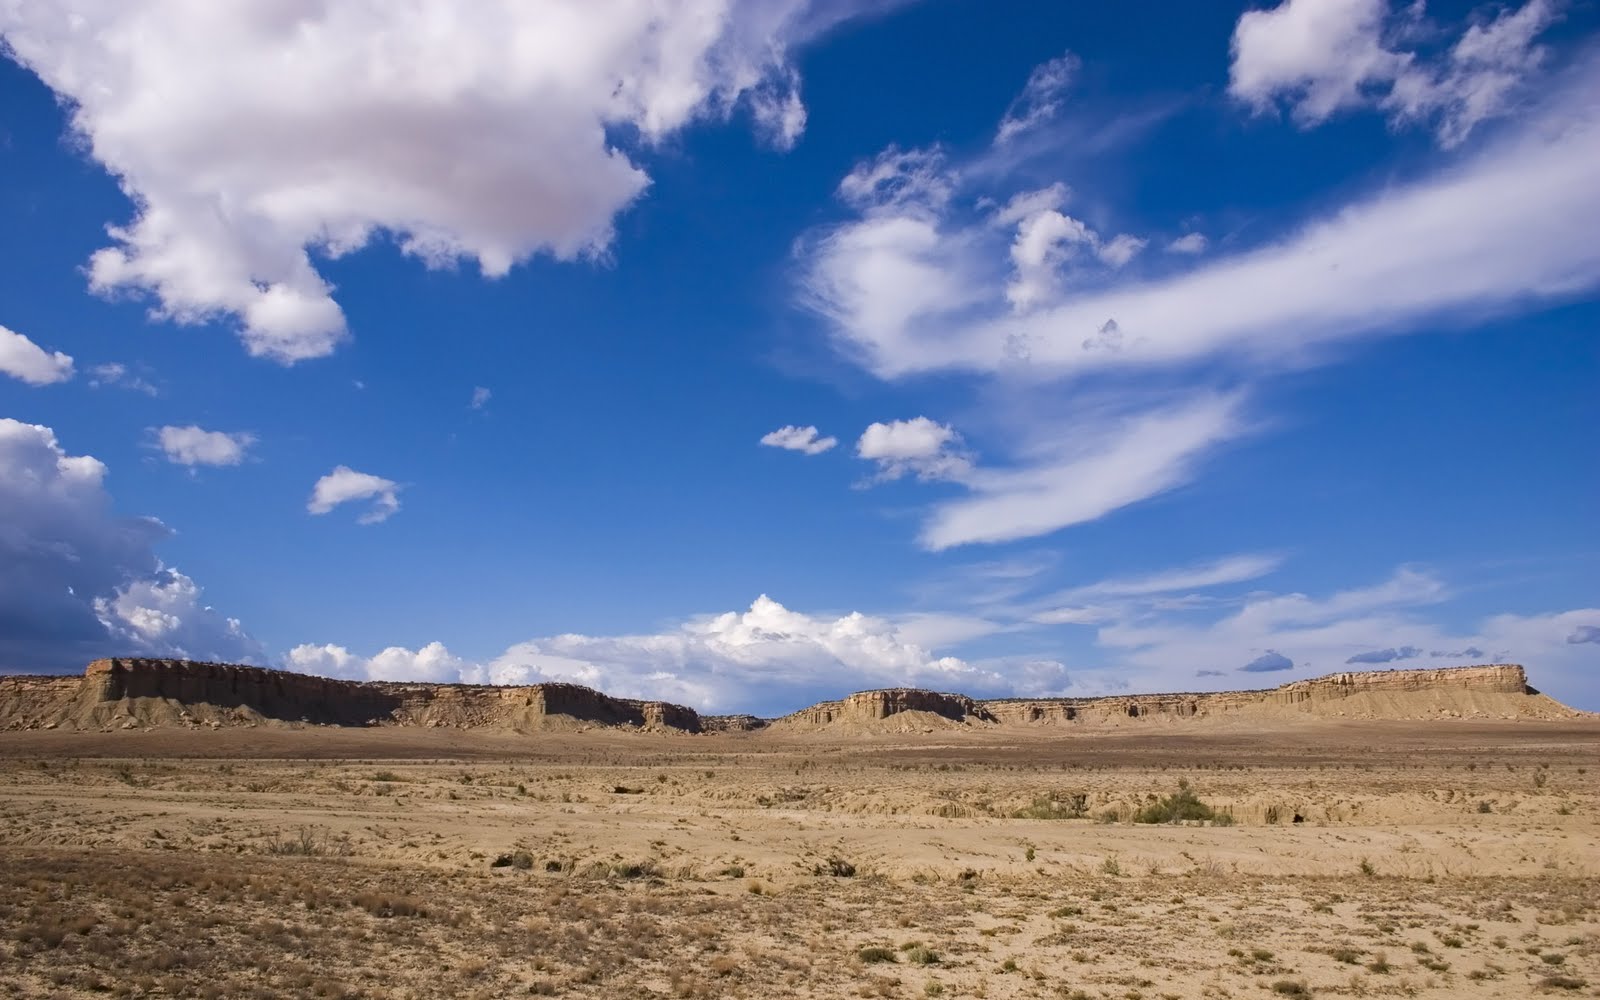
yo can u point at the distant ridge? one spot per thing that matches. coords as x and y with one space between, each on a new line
156 693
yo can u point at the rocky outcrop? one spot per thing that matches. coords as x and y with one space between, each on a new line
870 706
1495 690
129 693
139 693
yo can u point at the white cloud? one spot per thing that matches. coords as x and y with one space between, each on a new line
909 181
930 276
194 446
766 659
1232 569
344 485
1322 53
1327 56
920 446
480 397
801 439
485 132
1121 249
115 373
1505 228
432 663
1106 464
79 581
22 359
164 615
1040 100
1189 243
1045 241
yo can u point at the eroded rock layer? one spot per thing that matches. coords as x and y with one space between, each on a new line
129 693
141 693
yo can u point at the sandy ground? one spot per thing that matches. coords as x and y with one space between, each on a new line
1447 859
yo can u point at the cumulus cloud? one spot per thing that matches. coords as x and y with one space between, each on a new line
767 659
1269 662
1386 655
486 132
480 397
77 580
1326 56
345 485
802 439
1189 243
1470 653
919 446
1583 634
164 614
193 445
1047 241
1040 100
432 663
22 359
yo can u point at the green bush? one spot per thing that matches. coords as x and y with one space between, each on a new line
1180 806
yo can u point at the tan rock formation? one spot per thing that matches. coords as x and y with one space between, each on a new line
140 693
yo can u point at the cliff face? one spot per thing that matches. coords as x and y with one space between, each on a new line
1496 690
871 706
129 693
135 693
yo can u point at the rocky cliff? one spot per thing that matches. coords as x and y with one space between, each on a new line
133 693
140 693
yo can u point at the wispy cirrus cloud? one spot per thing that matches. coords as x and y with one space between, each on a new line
943 269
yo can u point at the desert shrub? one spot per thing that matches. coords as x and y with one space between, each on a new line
1562 983
837 867
919 954
1070 806
1485 808
308 842
874 954
1291 988
1181 805
636 869
385 905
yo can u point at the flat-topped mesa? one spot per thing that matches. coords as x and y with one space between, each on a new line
873 706
132 692
1501 678
1493 690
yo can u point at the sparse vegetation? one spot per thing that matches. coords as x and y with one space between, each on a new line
1182 805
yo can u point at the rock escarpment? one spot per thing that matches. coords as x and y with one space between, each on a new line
875 706
141 693
131 693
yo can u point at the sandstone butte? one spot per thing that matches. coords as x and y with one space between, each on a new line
150 693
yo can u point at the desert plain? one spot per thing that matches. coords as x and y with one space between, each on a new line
1343 857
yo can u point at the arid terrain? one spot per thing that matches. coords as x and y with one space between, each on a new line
1235 856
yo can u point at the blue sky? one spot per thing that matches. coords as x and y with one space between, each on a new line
749 354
